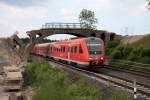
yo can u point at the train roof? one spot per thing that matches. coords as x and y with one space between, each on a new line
76 40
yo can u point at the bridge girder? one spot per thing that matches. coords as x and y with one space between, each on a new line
37 35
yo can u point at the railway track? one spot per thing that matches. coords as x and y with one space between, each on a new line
143 90
139 67
131 71
145 85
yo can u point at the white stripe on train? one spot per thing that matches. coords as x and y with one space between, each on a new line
78 62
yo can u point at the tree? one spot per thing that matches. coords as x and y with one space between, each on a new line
87 19
148 5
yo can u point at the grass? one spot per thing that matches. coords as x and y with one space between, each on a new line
54 84
119 95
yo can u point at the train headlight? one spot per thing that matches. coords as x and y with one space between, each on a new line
90 58
101 58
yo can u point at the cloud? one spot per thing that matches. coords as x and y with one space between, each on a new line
24 3
14 18
139 10
31 14
68 14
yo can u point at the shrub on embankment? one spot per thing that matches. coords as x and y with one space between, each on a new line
137 53
54 84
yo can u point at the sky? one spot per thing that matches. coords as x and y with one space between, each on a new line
125 17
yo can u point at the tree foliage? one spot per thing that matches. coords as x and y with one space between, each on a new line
87 19
148 5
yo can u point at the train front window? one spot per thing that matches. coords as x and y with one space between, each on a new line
94 46
94 49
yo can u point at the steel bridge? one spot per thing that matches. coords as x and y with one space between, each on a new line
76 29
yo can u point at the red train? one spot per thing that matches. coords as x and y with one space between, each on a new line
89 52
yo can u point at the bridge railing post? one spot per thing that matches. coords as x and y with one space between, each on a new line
135 90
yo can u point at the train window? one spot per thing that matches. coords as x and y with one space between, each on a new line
80 49
75 49
60 49
64 48
71 49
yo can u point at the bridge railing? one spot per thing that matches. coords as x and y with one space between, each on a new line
62 25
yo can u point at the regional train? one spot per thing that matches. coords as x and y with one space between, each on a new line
86 52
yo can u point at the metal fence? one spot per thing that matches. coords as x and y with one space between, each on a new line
62 25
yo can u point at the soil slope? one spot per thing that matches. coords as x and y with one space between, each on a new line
137 40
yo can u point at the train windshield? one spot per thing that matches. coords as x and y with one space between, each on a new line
94 46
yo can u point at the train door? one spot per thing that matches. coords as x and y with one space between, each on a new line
80 53
72 52
48 51
69 51
75 53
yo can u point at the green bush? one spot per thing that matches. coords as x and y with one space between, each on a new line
120 95
116 54
111 46
114 43
53 89
120 48
146 52
126 51
129 52
137 50
83 91
54 84
133 57
145 60
37 72
109 51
